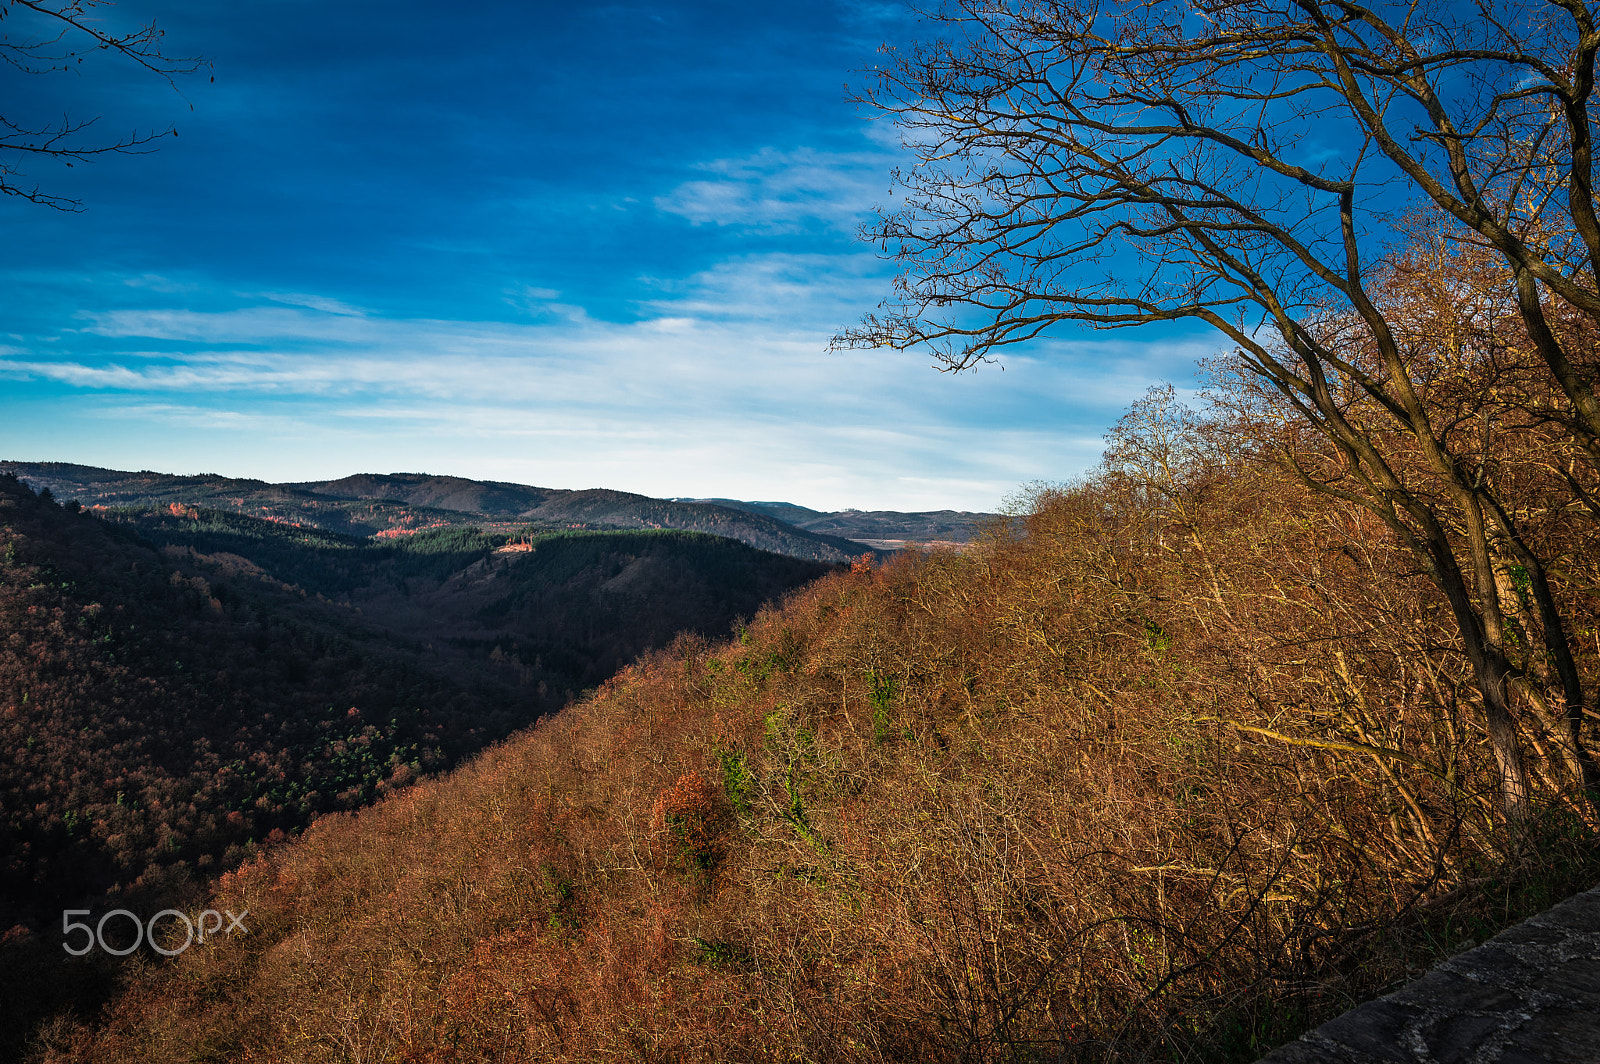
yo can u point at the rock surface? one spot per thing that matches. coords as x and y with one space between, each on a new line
1530 994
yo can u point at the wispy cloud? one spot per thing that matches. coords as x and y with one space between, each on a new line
807 291
722 386
784 191
257 325
157 283
314 302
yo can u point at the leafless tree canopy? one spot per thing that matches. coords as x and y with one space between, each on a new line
1387 209
58 36
1123 163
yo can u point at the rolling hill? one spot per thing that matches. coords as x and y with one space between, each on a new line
369 504
884 529
590 508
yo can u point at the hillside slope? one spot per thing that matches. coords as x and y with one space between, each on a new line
1080 793
159 715
562 610
176 687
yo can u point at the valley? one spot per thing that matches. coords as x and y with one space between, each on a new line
180 685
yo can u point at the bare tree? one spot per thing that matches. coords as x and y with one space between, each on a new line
57 37
1263 166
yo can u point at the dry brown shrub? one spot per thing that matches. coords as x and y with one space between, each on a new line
1103 786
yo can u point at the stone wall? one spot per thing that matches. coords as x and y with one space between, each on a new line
1530 994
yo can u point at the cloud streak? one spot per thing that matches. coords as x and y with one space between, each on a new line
721 385
775 192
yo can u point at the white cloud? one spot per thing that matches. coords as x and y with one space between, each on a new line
314 302
723 387
157 283
779 192
248 325
812 291
540 302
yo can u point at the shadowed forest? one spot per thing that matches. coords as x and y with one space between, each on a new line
179 687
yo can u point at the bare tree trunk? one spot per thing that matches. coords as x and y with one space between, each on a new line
1492 672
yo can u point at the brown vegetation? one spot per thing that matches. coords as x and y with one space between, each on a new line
1174 767
165 711
1386 210
158 722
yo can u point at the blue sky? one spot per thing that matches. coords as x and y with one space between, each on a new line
570 245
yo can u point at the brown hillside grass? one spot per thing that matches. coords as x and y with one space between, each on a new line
1112 785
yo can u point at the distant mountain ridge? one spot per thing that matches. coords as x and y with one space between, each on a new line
870 526
367 504
591 507
784 511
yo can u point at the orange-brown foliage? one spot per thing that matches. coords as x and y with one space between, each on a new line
1094 787
687 821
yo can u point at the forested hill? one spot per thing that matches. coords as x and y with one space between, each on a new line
721 516
110 488
1125 784
875 527
158 712
176 686
403 503
593 507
